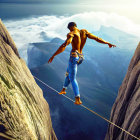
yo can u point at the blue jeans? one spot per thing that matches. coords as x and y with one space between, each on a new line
71 75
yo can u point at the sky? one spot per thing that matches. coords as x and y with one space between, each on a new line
112 2
91 15
132 2
127 8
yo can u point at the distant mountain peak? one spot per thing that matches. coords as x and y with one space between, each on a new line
57 40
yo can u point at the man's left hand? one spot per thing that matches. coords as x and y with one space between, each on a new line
51 59
111 45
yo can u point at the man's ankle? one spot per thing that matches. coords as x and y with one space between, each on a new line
63 89
78 97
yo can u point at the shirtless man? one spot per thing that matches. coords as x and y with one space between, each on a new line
77 38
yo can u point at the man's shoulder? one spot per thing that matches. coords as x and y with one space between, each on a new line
70 34
84 30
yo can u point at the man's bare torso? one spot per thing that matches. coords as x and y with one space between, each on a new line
79 39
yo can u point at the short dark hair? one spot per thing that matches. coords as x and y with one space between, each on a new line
71 24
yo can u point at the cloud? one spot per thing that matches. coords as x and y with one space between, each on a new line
29 30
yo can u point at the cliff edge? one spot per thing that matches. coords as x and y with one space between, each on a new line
126 109
24 113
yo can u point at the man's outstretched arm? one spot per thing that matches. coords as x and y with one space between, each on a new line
100 40
62 47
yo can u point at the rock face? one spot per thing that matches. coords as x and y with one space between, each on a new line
126 109
24 113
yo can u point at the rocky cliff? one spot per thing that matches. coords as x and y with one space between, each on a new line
126 109
24 113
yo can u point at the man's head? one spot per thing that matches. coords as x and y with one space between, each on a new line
71 25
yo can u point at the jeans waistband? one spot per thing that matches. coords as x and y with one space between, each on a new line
75 54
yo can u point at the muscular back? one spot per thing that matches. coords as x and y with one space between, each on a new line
79 39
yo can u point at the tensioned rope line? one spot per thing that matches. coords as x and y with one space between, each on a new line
89 110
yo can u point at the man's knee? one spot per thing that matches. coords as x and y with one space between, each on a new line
72 77
66 74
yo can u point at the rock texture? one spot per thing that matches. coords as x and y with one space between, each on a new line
126 109
24 113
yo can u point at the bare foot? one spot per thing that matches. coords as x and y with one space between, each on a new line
78 101
63 91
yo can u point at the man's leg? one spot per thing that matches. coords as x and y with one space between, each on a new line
66 82
72 77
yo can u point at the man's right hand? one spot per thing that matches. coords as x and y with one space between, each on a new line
111 45
51 59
